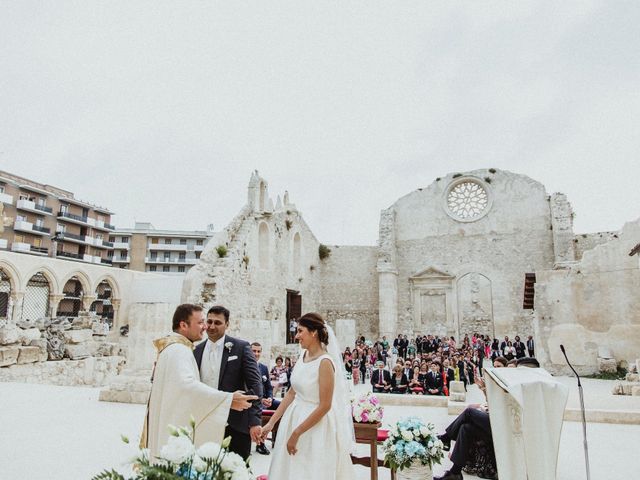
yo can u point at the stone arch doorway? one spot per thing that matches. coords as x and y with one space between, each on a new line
103 304
73 295
475 305
5 296
36 298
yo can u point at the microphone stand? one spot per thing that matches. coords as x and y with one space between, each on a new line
584 417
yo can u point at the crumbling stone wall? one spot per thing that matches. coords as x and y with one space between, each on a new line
593 305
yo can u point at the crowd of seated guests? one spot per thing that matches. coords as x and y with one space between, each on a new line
427 364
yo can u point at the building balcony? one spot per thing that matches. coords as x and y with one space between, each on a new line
100 225
168 247
106 261
91 259
30 206
77 219
6 198
121 245
23 226
171 261
127 259
23 247
83 239
3 243
73 256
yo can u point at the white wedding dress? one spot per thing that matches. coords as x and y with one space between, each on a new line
321 455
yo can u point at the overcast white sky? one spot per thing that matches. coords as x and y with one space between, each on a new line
161 110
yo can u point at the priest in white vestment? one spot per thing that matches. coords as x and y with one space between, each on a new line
177 393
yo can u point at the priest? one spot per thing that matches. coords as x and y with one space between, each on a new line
176 390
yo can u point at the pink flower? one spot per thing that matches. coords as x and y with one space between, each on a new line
365 417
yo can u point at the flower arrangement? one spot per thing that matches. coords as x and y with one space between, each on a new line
180 459
367 409
411 441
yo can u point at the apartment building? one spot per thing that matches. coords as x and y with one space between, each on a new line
44 220
146 249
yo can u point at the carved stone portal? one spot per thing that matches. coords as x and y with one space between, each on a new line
475 305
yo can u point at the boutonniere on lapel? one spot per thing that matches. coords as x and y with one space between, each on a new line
228 346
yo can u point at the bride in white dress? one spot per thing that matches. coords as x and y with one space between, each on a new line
315 434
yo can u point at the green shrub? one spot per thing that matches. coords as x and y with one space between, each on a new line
222 251
323 251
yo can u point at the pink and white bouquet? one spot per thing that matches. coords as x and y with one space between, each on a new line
367 409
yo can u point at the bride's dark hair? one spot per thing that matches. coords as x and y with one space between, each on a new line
315 323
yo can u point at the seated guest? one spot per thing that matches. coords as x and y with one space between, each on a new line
513 363
416 384
434 380
447 376
500 362
407 369
399 382
381 378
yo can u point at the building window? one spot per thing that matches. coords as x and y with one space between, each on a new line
37 242
39 222
99 236
154 255
167 241
183 241
24 196
154 241
197 254
18 238
112 239
123 255
183 255
199 241
467 200
1 188
152 268
41 201
125 239
110 254
166 268
21 218
167 255
64 208
181 268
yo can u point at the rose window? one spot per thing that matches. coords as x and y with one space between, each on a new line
467 200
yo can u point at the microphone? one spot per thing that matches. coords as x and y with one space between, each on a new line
584 417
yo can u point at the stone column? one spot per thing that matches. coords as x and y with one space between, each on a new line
87 300
387 275
14 312
388 303
54 303
562 225
115 303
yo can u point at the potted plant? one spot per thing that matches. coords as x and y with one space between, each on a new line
367 414
412 449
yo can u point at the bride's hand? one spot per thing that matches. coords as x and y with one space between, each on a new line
266 430
293 443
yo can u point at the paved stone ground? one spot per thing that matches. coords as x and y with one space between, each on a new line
64 433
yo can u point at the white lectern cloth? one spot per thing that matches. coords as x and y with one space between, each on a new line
526 415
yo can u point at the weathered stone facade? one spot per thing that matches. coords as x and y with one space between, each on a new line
451 260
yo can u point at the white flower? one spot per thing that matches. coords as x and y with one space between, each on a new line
393 448
177 450
407 435
232 462
209 451
240 473
424 431
228 346
394 430
199 464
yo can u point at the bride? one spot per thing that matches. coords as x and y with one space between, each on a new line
315 434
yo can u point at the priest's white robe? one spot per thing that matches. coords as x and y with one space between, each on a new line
177 394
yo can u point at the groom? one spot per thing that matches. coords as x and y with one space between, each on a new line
228 364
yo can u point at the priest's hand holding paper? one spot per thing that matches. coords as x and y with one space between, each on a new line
241 401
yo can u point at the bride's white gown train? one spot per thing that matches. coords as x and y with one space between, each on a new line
321 455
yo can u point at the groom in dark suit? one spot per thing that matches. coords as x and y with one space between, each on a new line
228 364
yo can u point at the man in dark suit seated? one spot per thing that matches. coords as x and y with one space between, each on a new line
228 364
268 402
434 381
381 378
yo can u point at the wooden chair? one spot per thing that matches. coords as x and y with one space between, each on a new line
370 435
